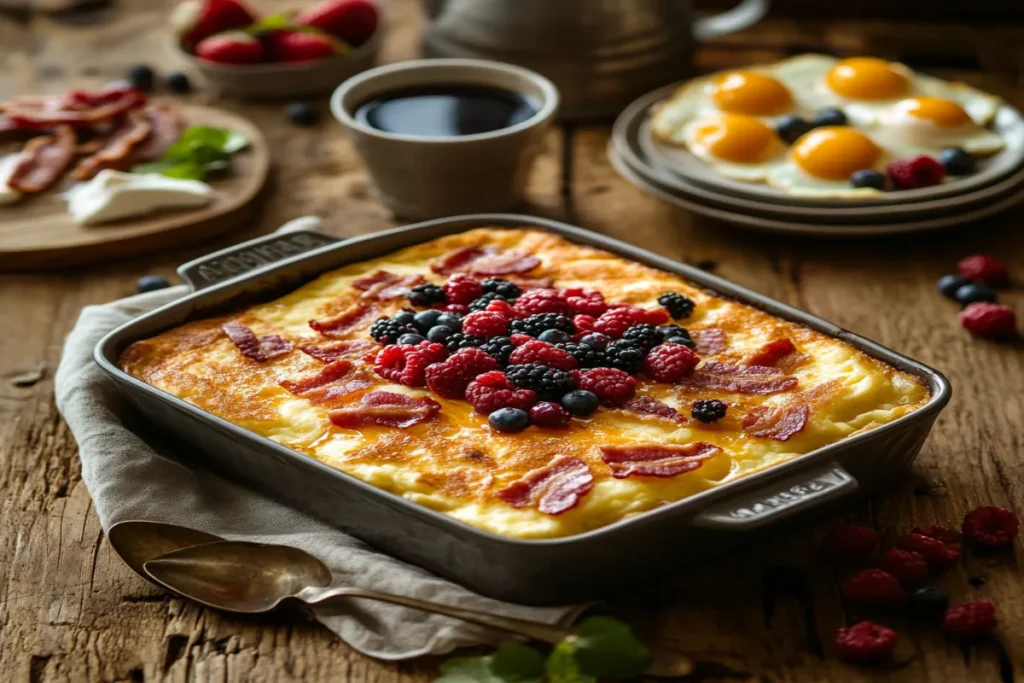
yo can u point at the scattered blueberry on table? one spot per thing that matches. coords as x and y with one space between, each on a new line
973 293
949 284
141 77
178 82
303 114
151 283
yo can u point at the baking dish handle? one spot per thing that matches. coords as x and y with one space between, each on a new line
779 499
293 238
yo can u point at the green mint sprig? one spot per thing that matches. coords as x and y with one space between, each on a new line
603 648
198 152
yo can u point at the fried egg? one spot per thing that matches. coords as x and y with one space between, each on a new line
925 125
736 145
821 162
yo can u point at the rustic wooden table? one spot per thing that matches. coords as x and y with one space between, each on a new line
70 611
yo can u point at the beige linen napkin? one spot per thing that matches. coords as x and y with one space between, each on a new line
130 475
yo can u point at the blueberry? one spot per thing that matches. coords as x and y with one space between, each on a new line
411 339
509 420
178 82
553 336
829 116
424 320
438 333
948 284
791 127
151 283
405 316
303 114
141 77
595 339
970 293
868 178
957 161
449 320
580 402
685 341
928 604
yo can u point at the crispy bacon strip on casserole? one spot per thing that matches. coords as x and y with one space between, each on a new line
552 489
657 460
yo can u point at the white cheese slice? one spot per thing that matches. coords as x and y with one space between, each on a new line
113 195
7 166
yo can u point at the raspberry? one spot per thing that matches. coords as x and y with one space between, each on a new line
865 642
406 364
502 308
613 387
519 339
450 378
491 391
504 288
969 621
536 301
457 309
484 324
921 171
984 268
993 321
909 568
547 414
990 526
485 300
549 383
617 320
542 353
583 302
670 362
678 306
936 544
875 588
850 544
462 289
584 325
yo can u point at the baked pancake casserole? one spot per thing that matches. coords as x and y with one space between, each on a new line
524 384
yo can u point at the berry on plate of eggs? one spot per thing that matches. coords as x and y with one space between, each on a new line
818 126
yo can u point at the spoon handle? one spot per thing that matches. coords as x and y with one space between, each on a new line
533 630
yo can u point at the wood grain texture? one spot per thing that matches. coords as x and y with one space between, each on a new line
69 611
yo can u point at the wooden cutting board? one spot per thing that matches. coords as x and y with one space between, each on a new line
38 233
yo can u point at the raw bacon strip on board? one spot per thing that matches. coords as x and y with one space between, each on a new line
709 341
166 124
657 460
385 409
259 349
553 489
329 373
776 423
77 109
43 161
649 407
117 151
344 322
509 262
743 379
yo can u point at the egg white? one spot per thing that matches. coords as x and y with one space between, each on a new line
907 136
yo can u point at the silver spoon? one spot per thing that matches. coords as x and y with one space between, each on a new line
251 578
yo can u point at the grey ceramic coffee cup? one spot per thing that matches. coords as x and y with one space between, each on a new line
429 177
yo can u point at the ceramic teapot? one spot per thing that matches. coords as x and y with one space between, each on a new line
601 54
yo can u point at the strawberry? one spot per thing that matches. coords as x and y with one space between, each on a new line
354 21
296 46
194 20
233 47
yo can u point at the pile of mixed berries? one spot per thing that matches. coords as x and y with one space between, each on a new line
902 174
540 356
896 579
973 287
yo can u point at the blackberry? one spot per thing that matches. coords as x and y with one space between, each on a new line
496 285
586 356
388 330
643 335
535 324
624 355
425 295
481 303
709 411
678 306
499 348
460 340
549 383
676 335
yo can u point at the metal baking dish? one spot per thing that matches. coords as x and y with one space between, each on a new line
589 565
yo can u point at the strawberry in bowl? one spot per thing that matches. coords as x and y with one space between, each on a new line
280 55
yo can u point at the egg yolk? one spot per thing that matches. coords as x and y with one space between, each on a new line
835 152
737 138
942 113
750 93
866 78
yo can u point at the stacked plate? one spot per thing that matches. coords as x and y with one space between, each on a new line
673 174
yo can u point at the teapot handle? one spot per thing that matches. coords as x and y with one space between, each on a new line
745 14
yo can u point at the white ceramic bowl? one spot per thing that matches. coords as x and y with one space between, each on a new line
428 177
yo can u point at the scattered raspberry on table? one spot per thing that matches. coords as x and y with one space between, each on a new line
970 622
866 642
990 526
994 321
850 544
984 268
875 588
